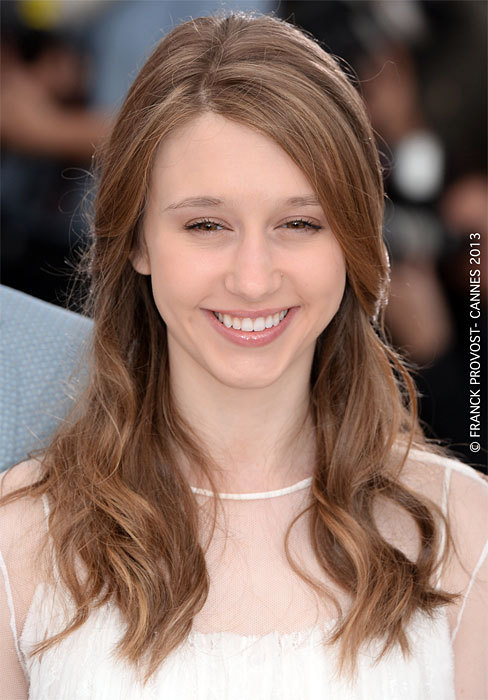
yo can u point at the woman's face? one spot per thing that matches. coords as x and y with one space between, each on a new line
240 250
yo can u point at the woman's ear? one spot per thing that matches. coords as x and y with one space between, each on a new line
140 259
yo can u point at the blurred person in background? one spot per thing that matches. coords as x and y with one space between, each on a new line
429 120
49 130
418 66
66 66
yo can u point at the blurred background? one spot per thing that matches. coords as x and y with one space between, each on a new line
421 68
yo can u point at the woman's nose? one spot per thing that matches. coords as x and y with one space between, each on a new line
253 273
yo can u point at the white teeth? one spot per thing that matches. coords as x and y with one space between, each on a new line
247 324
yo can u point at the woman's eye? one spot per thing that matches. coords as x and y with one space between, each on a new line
298 225
306 224
205 222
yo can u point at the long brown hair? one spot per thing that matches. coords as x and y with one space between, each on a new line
119 502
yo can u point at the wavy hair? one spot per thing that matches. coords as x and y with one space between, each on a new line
120 504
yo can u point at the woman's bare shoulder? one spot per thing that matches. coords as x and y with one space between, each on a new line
462 493
441 476
22 519
22 474
23 561
456 488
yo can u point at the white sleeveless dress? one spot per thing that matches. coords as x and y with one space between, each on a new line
258 637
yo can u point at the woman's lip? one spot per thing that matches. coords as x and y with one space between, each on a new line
251 338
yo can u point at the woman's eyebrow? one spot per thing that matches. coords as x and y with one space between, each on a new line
302 201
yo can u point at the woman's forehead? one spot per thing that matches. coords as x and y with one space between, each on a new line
224 164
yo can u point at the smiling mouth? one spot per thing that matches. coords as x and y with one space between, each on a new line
248 324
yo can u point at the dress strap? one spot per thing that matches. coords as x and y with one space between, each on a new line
478 566
47 511
10 602
444 503
45 505
484 553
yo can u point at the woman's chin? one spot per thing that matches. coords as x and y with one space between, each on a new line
248 377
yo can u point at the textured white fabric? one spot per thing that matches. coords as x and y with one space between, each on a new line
223 665
259 633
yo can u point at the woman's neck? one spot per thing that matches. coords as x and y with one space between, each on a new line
261 439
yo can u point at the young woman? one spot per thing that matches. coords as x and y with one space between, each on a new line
242 503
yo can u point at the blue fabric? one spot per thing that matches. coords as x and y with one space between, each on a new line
40 348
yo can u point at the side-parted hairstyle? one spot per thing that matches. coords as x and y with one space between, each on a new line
120 505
